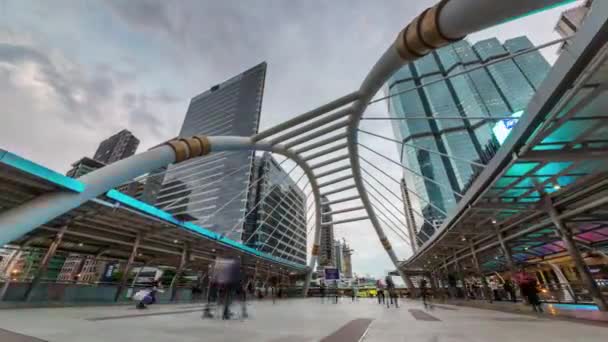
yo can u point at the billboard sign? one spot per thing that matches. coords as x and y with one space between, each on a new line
332 273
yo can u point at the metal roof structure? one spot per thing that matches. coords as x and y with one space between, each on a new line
109 225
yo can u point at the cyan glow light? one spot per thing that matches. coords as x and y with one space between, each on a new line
40 171
152 210
502 128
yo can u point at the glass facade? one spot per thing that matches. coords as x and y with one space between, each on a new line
277 225
499 89
192 190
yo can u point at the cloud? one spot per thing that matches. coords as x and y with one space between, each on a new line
45 94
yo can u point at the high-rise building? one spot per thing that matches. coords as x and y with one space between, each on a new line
84 166
347 263
119 146
277 225
229 108
497 90
571 20
339 255
326 246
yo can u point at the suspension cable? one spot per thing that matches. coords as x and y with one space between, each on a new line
424 149
414 172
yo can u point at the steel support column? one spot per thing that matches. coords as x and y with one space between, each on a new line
566 234
484 283
45 262
182 264
408 218
505 250
461 277
125 275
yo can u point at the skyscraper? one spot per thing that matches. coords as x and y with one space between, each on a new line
326 247
229 108
347 262
500 89
119 146
276 223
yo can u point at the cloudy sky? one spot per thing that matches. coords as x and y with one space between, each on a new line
74 72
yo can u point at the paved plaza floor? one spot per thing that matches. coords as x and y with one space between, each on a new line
290 320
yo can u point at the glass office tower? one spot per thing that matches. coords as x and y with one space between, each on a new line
276 223
501 89
193 189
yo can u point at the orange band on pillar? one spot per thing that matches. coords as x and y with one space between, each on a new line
315 250
386 244
181 150
205 144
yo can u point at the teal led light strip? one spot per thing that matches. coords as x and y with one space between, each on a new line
40 171
557 4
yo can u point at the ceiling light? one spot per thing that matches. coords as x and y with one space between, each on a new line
557 187
493 221
80 244
464 238
175 241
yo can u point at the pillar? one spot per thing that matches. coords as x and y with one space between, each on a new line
410 285
182 264
567 237
506 251
125 275
45 262
461 276
484 283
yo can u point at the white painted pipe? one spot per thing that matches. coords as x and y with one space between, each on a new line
20 220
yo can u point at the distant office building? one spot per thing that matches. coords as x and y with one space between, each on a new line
134 189
278 224
498 90
119 146
326 247
71 268
571 20
84 166
229 108
339 255
81 269
347 263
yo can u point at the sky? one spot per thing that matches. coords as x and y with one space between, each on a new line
75 72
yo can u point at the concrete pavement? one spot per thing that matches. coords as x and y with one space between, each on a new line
289 320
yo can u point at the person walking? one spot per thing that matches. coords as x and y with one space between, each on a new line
355 292
380 291
529 290
424 292
509 288
391 292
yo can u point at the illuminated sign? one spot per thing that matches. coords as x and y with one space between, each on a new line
503 128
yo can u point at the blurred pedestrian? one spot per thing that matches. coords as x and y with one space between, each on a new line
509 288
529 289
380 291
